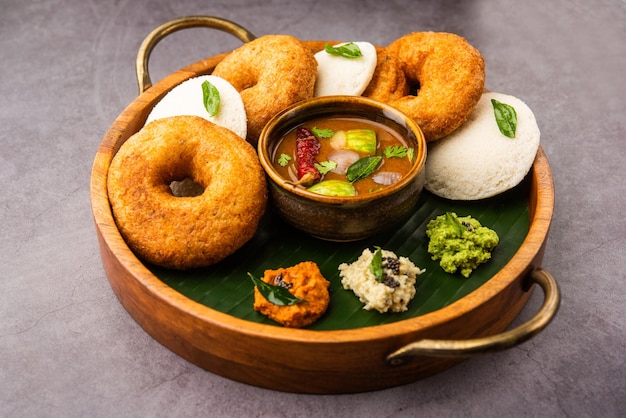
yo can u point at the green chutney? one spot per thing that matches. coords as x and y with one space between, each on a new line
460 243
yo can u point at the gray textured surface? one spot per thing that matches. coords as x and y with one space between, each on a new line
68 348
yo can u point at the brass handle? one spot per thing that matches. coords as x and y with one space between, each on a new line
148 44
507 339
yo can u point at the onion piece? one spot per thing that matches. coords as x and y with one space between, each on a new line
338 140
386 178
344 159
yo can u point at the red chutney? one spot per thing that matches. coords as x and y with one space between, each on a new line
349 140
305 281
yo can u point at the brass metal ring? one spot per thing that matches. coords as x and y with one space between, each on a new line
499 342
148 44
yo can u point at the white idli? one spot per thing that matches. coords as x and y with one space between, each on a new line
337 75
188 99
477 161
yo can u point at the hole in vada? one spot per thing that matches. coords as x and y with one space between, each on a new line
186 187
414 89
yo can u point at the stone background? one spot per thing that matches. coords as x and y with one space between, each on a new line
67 346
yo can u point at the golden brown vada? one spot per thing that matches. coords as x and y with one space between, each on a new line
189 231
388 82
447 72
305 281
271 73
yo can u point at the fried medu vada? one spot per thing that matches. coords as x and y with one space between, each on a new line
388 82
189 231
271 73
447 72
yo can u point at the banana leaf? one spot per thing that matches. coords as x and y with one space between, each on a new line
226 286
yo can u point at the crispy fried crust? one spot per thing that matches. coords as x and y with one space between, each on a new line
186 232
388 82
271 73
449 72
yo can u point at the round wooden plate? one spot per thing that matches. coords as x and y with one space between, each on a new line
307 360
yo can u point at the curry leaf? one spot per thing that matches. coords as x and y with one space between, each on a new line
278 295
376 267
210 98
453 221
362 168
506 118
349 50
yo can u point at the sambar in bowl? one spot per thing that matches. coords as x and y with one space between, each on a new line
343 168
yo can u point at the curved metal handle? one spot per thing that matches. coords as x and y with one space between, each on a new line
148 44
508 339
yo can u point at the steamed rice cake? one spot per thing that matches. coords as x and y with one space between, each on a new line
477 161
187 99
337 75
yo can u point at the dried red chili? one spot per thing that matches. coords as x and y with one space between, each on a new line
307 149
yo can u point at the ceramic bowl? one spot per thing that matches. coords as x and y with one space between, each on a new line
343 218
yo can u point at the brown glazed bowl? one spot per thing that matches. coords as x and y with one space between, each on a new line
343 218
